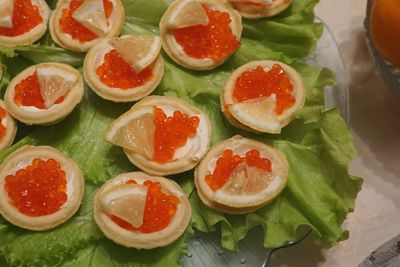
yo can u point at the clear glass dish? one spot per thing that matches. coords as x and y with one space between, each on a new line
205 249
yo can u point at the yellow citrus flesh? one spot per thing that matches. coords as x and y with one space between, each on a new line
91 14
189 14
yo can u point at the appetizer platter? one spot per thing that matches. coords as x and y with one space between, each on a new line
159 119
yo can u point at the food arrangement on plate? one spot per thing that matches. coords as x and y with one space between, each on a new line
235 119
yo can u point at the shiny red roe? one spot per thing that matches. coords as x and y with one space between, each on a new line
77 31
159 210
171 133
258 83
215 41
38 189
3 129
227 162
26 16
27 93
118 74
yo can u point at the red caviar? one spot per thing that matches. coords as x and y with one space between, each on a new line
26 16
158 212
227 162
116 73
27 93
214 41
171 133
38 189
258 83
3 128
74 28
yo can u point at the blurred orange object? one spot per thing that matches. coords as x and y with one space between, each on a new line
385 29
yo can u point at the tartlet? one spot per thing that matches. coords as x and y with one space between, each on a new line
36 10
173 20
240 175
34 206
90 22
256 9
144 224
123 55
281 95
8 127
156 144
44 93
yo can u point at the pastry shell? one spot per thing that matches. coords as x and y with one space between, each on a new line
95 57
34 34
140 240
172 48
11 129
299 91
190 160
64 40
280 168
75 187
54 114
270 10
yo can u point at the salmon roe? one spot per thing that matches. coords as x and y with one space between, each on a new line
26 16
227 162
118 74
258 83
27 93
158 212
215 41
3 128
78 31
38 189
171 133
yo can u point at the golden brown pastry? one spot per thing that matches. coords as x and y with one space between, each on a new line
22 22
162 135
8 127
255 9
262 96
240 175
124 69
40 188
137 210
200 34
44 93
78 25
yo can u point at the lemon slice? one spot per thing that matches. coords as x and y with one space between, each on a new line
258 114
54 82
134 131
126 201
138 51
188 14
6 13
91 14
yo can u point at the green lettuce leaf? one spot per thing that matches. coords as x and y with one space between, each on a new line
318 146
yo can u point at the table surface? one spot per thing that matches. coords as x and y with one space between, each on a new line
375 124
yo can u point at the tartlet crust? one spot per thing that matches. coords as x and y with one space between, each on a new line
179 165
55 113
177 54
140 240
34 34
299 91
24 156
11 129
269 11
95 57
279 163
64 40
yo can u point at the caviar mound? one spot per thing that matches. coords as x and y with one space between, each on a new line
166 212
42 187
8 127
38 189
262 96
3 127
260 9
240 175
201 47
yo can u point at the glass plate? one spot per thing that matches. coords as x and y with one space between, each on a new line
205 249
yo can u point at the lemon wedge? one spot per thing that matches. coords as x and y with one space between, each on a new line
138 51
6 13
189 13
91 14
